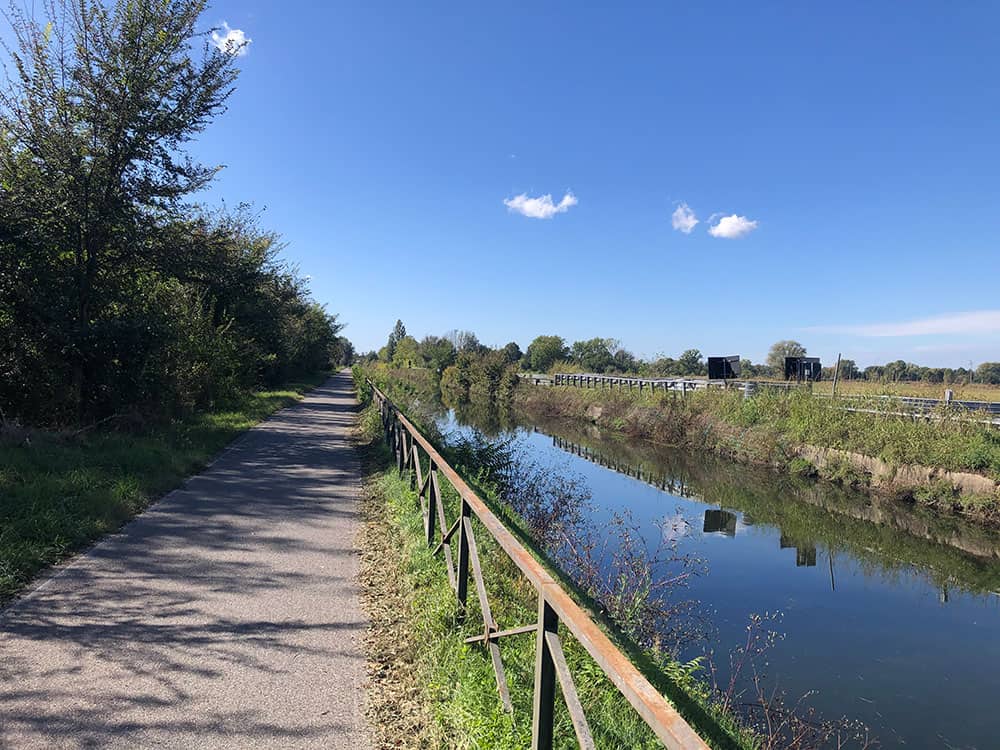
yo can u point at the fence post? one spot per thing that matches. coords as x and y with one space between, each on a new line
545 678
462 584
432 501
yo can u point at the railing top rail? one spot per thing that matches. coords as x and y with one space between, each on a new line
661 717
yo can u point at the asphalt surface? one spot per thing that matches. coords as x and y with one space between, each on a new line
226 616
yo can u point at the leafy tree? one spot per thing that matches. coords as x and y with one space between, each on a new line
594 354
545 351
988 372
663 366
849 369
397 334
781 349
407 353
464 341
512 352
94 120
689 363
624 360
438 352
115 294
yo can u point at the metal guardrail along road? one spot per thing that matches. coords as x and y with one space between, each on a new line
456 543
987 412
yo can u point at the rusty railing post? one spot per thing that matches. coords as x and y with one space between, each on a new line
432 501
545 678
462 584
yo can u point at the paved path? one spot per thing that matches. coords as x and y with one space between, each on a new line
226 616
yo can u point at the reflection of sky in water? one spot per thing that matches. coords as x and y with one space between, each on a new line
879 641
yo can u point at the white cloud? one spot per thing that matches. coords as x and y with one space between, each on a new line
980 321
541 207
732 227
684 219
232 42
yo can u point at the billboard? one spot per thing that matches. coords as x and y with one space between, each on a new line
802 368
724 368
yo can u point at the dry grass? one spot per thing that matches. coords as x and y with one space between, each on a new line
396 706
973 392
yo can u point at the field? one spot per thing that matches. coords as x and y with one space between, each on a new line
918 389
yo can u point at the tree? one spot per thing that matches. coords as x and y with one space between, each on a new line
512 352
545 351
407 353
624 360
781 349
438 352
594 355
849 369
94 120
988 372
397 334
689 363
464 341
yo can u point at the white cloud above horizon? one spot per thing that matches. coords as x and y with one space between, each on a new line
683 219
977 321
732 227
232 42
541 207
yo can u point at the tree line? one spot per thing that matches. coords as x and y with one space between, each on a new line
117 294
551 353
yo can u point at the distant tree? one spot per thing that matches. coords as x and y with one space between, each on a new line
663 366
594 354
781 349
398 332
464 341
849 369
343 354
545 351
689 363
437 352
407 353
512 352
624 360
988 372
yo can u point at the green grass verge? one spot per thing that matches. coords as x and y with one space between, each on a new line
458 679
59 493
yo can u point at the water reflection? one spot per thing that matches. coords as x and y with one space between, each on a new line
949 550
719 522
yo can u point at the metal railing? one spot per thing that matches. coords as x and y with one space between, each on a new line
986 412
456 543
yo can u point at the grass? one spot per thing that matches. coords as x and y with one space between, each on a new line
458 704
59 493
917 389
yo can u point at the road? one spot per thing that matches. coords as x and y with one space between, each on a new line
225 616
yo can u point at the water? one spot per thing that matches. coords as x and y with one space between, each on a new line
889 614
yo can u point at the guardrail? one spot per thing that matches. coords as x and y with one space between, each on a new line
988 411
555 606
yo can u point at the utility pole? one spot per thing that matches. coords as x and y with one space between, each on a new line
836 376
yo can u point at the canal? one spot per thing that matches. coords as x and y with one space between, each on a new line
889 614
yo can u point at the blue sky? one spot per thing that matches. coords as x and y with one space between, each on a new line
854 148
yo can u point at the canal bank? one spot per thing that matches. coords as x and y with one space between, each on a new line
948 464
